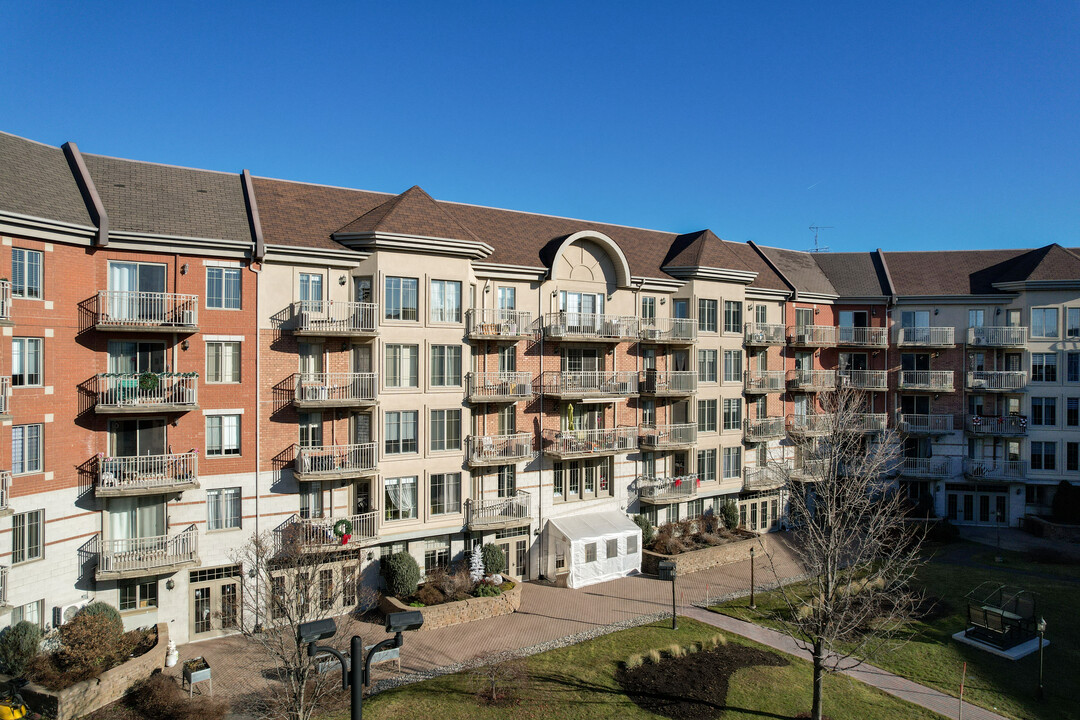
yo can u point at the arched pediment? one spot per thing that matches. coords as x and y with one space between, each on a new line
592 257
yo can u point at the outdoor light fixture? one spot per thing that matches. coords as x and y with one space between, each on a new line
170 584
185 345
342 280
1040 627
666 570
183 269
753 605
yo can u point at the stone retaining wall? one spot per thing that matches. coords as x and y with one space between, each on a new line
1052 530
706 558
462 611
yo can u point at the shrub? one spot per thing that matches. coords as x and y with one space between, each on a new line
499 683
710 523
729 513
655 657
430 595
943 531
648 532
105 610
402 574
1064 507
456 585
487 590
90 643
159 697
494 559
18 646
676 651
634 661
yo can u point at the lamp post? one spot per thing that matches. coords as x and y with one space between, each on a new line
666 571
1041 628
753 605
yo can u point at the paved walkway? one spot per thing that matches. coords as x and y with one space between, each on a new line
1017 540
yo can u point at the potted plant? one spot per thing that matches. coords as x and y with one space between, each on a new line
196 670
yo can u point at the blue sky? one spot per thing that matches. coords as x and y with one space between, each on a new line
914 125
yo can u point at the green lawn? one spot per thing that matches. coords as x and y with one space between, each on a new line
579 682
932 657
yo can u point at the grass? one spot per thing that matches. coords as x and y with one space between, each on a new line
578 683
933 658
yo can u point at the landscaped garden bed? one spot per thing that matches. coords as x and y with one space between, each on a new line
697 544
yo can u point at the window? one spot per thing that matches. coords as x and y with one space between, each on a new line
557 482
732 462
631 544
326 589
732 316
401 498
1043 455
507 481
706 465
445 365
135 594
648 309
311 500
222 435
223 508
445 493
32 612
311 291
27 542
445 301
26 274
1072 456
223 362
223 288
706 363
648 411
1043 411
436 554
1072 322
976 318
26 361
1072 412
507 419
26 449
732 413
401 432
590 552
1044 322
695 508
277 597
1072 371
506 298
402 366
507 358
706 315
613 548
445 430
1044 367
733 366
310 429
401 298
706 420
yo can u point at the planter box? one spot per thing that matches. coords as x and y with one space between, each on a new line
705 558
462 611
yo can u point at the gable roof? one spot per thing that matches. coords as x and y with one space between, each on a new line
36 180
801 269
413 212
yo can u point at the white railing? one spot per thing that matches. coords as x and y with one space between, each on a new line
810 424
869 422
335 317
810 468
127 308
941 380
587 326
147 389
862 336
5 299
3 585
864 379
499 448
494 386
147 553
666 488
987 469
5 394
585 442
666 329
812 334
996 424
997 379
5 489
926 336
812 379
669 382
668 436
763 334
764 478
1000 336
493 322
147 472
915 424
764 428
493 511
590 383
927 467
764 380
303 533
339 388
335 459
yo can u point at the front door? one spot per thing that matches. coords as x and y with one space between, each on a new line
516 552
215 601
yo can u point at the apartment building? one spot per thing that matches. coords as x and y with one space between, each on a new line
192 357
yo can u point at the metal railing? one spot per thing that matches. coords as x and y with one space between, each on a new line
335 317
147 472
764 334
494 322
659 437
5 299
862 336
869 422
666 488
810 468
811 334
590 326
916 424
764 381
318 532
989 469
764 478
764 428
926 336
669 382
494 511
147 389
5 394
940 380
335 459
592 383
812 379
927 467
997 379
996 424
126 555
3 585
815 424
495 386
864 379
336 388
585 442
1000 336
132 309
5 489
666 329
499 448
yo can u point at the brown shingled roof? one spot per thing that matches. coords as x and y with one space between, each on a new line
413 212
801 269
36 180
855 274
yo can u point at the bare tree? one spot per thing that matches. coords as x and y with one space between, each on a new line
850 536
293 576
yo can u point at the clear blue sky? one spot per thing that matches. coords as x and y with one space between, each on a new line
905 125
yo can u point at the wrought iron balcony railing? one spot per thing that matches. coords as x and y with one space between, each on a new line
668 437
768 477
305 534
1000 425
333 318
764 428
132 557
666 489
927 467
764 381
147 474
494 323
147 392
671 383
319 462
989 469
592 383
931 380
916 424
583 443
812 335
811 380
864 379
862 336
590 326
999 380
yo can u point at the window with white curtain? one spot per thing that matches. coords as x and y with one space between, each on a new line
401 432
26 449
26 361
445 493
445 365
27 542
401 299
310 429
401 366
311 291
223 508
222 435
311 501
400 498
733 366
26 273
223 288
445 301
732 462
507 298
222 362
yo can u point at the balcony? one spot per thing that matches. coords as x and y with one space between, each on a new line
147 474
589 384
862 336
329 462
483 450
809 469
5 492
762 429
129 311
997 426
5 306
926 467
936 337
496 513
5 397
868 422
769 477
669 383
333 318
927 380
4 587
313 391
139 393
571 444
590 327
317 534
811 335
811 380
137 557
997 336
668 437
665 491
997 470
764 381
670 331
496 324
496 387
864 379
997 380
759 334
916 424
816 424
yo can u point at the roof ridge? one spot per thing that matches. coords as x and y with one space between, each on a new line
30 140
157 164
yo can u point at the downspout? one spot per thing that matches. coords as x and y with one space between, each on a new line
542 555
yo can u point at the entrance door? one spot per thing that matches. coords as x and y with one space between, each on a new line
215 601
135 292
132 358
849 320
516 552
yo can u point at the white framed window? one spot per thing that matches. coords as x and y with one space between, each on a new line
445 365
27 536
445 430
223 508
1044 411
311 290
706 315
222 435
400 432
732 316
648 309
1043 455
26 449
706 465
507 481
732 413
1044 367
222 362
706 363
732 462
26 273
733 366
445 493
31 612
223 288
402 366
436 553
506 298
311 500
401 298
445 301
1072 322
310 424
26 361
613 548
590 552
138 594
1044 322
400 498
706 420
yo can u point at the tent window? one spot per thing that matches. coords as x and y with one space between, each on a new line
613 548
631 544
590 552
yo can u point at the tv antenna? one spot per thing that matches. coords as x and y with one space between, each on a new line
819 248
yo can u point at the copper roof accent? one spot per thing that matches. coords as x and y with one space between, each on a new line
413 212
36 181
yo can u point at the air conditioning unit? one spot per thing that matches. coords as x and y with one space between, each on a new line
978 340
63 614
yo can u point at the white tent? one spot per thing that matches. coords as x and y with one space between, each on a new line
597 546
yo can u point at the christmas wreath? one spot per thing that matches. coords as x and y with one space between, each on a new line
343 530
148 382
